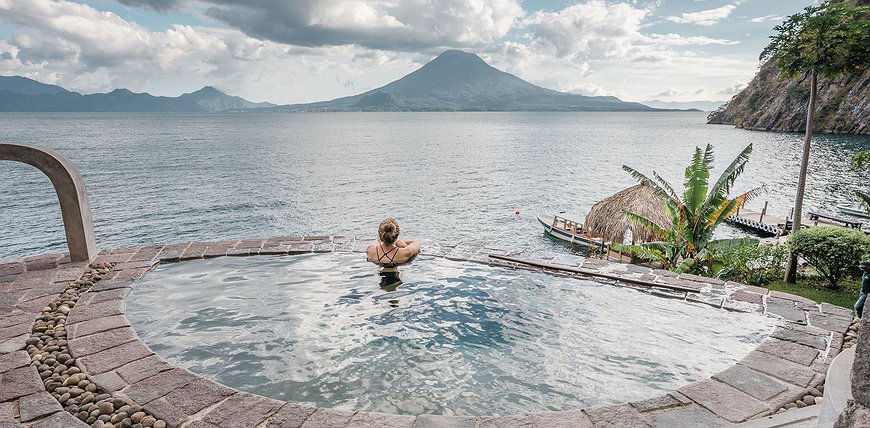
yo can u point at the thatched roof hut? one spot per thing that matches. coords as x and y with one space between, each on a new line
606 219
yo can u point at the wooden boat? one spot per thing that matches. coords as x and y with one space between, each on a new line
855 211
570 231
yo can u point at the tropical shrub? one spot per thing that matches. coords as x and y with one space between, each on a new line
833 251
754 264
687 244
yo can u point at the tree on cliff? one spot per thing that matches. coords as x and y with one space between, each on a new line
828 40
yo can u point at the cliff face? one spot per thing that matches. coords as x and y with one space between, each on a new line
774 103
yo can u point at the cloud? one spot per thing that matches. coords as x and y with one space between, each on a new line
733 89
407 25
705 17
678 40
588 30
768 18
158 5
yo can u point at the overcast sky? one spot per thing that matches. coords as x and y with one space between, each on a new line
289 51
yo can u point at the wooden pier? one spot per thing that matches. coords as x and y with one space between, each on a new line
766 224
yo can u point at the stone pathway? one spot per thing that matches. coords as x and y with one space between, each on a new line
111 363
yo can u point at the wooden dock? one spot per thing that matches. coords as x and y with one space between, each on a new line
770 225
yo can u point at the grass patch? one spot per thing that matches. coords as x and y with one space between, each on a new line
845 296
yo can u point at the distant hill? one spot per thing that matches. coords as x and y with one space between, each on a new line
22 94
685 105
461 81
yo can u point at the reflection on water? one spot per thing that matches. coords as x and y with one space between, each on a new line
454 338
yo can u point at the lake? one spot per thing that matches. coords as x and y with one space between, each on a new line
447 177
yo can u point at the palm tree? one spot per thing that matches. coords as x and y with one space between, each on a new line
828 40
687 243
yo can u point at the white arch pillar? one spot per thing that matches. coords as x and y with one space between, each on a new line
70 188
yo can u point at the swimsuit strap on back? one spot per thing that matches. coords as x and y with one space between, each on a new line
380 258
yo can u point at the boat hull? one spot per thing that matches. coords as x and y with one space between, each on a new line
853 211
547 221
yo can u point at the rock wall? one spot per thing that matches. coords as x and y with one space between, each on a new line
774 103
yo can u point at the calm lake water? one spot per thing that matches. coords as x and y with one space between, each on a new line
158 178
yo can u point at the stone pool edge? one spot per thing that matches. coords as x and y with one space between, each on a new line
782 369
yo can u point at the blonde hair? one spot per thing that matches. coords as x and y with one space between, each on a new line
388 231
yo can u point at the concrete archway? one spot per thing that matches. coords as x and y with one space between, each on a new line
70 188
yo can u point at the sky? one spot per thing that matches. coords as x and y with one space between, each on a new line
295 51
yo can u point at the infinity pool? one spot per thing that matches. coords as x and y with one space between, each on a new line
454 338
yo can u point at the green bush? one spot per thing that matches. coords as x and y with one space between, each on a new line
833 251
754 264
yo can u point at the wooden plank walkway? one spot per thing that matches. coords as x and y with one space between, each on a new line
766 224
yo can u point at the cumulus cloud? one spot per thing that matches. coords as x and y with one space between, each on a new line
733 89
590 30
705 17
408 25
768 18
678 40
158 5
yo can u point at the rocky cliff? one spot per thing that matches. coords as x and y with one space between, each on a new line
775 103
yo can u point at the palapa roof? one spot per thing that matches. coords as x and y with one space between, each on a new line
606 219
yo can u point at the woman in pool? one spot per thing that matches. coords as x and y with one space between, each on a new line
388 250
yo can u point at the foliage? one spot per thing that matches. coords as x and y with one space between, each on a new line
687 245
860 160
754 264
833 251
830 40
844 296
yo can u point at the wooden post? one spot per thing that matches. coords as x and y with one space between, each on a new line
763 212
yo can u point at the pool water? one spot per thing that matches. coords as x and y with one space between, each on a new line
453 338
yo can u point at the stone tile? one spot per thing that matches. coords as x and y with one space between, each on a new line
841 312
166 411
37 405
723 400
787 311
438 421
110 381
193 252
12 267
13 344
60 420
594 264
10 320
792 297
801 337
173 251
16 330
366 419
619 416
275 250
827 322
505 422
142 369
663 402
147 253
113 358
702 279
241 252
96 325
35 305
41 262
158 385
242 410
292 415
200 394
751 382
44 290
135 264
328 418
791 351
111 284
14 360
112 258
134 274
20 382
682 283
744 296
569 419
749 288
568 260
96 310
103 296
101 341
7 411
686 417
777 367
200 424
251 243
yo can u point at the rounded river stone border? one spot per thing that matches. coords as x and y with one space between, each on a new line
792 360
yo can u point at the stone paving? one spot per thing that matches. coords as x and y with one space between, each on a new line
108 353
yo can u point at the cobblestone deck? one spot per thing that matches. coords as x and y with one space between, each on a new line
108 352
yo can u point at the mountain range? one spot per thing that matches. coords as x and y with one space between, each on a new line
22 94
462 81
453 81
